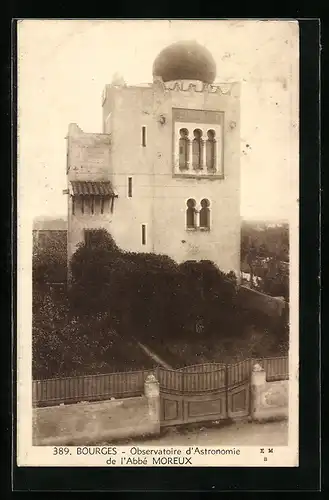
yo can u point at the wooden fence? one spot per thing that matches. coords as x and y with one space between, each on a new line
275 368
88 388
192 379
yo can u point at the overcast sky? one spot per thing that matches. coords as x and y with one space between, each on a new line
64 66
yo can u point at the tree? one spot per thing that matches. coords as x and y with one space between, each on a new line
251 261
49 264
276 281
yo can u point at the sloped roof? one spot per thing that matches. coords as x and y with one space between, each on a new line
87 188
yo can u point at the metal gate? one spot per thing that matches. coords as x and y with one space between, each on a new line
203 393
238 389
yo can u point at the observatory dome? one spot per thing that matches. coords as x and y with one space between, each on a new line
185 60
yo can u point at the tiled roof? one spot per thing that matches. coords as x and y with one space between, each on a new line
87 188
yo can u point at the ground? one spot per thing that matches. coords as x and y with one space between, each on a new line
242 434
188 350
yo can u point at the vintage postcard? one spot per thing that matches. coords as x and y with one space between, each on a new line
158 243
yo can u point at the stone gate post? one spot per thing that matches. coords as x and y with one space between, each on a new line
258 384
152 393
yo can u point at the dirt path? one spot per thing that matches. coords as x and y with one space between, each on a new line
154 356
237 434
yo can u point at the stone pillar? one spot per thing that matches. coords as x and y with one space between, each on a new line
197 218
152 393
258 385
204 151
190 154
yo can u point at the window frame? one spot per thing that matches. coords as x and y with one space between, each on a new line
193 211
206 209
184 142
130 187
212 142
204 172
144 136
143 235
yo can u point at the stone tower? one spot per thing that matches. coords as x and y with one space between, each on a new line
164 176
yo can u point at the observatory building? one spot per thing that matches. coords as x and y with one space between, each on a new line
164 174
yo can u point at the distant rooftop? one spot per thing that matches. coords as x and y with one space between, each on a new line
50 223
265 222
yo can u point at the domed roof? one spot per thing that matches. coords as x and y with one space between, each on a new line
186 60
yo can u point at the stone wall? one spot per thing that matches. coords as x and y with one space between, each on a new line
88 159
257 301
85 423
106 421
269 400
88 155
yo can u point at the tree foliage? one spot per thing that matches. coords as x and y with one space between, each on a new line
146 293
117 296
266 240
63 345
265 254
49 263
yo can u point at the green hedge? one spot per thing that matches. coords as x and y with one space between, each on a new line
149 294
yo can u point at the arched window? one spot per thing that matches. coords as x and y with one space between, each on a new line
183 148
197 149
190 214
211 150
205 214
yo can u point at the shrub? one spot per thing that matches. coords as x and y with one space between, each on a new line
64 345
148 294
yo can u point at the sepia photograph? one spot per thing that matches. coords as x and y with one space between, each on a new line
158 242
